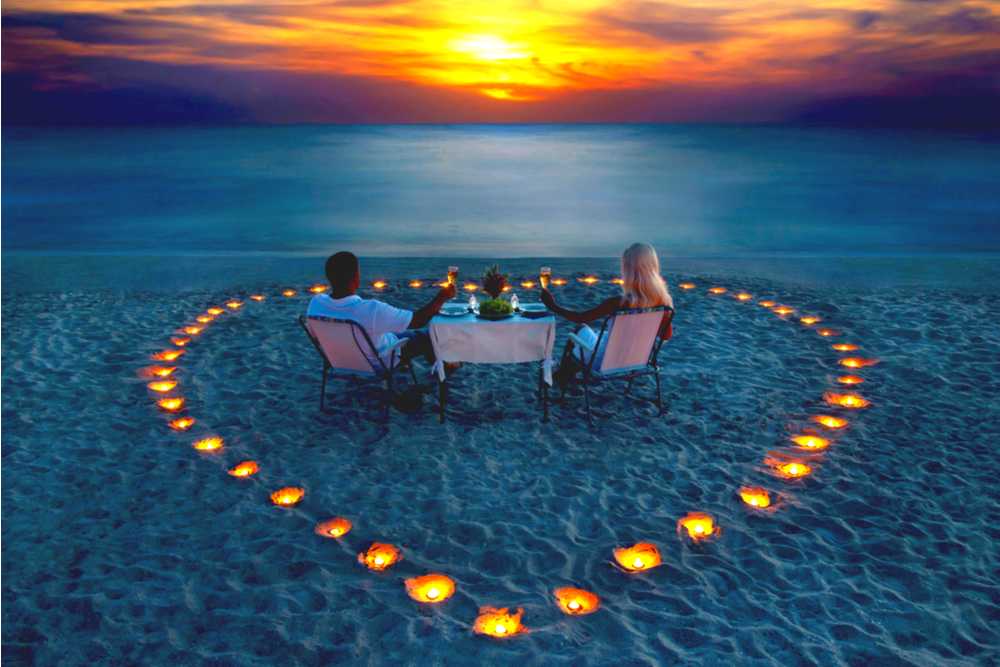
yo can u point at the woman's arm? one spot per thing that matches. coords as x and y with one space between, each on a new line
605 308
667 326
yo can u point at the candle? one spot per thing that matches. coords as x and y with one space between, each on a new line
827 333
234 304
850 401
168 355
617 281
161 371
755 497
210 444
172 404
699 526
857 362
180 341
244 469
336 527
743 296
192 330
416 284
559 282
162 386
380 284
811 442
789 468
499 622
204 319
809 320
215 311
528 284
318 289
831 422
767 304
430 588
288 496
844 347
589 280
257 297
380 556
686 286
182 423
717 290
288 292
850 379
576 601
783 310
470 287
638 557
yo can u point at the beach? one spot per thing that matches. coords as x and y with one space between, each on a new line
123 544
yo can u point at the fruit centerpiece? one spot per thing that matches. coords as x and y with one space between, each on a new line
495 308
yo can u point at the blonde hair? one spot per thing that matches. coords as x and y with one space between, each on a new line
643 286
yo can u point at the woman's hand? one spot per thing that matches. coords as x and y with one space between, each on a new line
547 299
447 292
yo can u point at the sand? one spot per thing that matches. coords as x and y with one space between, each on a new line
124 545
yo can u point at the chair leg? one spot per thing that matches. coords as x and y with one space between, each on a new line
659 393
586 395
322 390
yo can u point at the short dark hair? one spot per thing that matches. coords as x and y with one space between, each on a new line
341 269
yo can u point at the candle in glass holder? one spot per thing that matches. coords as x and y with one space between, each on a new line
430 588
334 528
380 556
244 469
499 622
182 423
288 496
576 601
210 444
755 496
699 526
638 557
830 422
810 442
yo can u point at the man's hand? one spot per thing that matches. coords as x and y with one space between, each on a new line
447 292
547 299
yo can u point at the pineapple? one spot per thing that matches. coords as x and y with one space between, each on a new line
494 281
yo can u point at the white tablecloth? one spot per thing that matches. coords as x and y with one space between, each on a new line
511 341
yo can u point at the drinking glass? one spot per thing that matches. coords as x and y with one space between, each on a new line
543 276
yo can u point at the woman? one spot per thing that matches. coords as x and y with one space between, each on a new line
643 287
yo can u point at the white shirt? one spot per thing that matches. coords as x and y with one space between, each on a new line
380 320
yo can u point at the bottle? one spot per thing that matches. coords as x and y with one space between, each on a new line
515 303
473 304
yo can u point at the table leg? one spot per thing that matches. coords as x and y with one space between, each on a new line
543 393
442 398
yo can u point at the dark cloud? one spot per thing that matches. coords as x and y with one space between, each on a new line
864 19
96 28
664 23
961 21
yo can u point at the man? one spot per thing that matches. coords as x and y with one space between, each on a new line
385 324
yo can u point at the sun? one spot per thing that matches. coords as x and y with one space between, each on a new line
488 47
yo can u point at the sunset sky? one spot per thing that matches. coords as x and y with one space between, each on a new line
93 61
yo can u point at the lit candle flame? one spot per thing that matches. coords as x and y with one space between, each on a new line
288 496
617 281
809 320
470 287
767 304
172 404
638 557
558 281
743 296
783 310
244 469
192 330
431 588
686 285
204 319
699 526
850 401
576 601
831 422
168 355
850 379
416 284
257 297
234 304
499 622
589 280
790 468
380 284
827 333
161 371
380 556
288 292
857 362
318 289
182 423
717 290
210 444
844 347
336 527
180 341
811 442
162 386
528 284
755 497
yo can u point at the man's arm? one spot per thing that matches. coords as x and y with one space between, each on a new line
423 316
